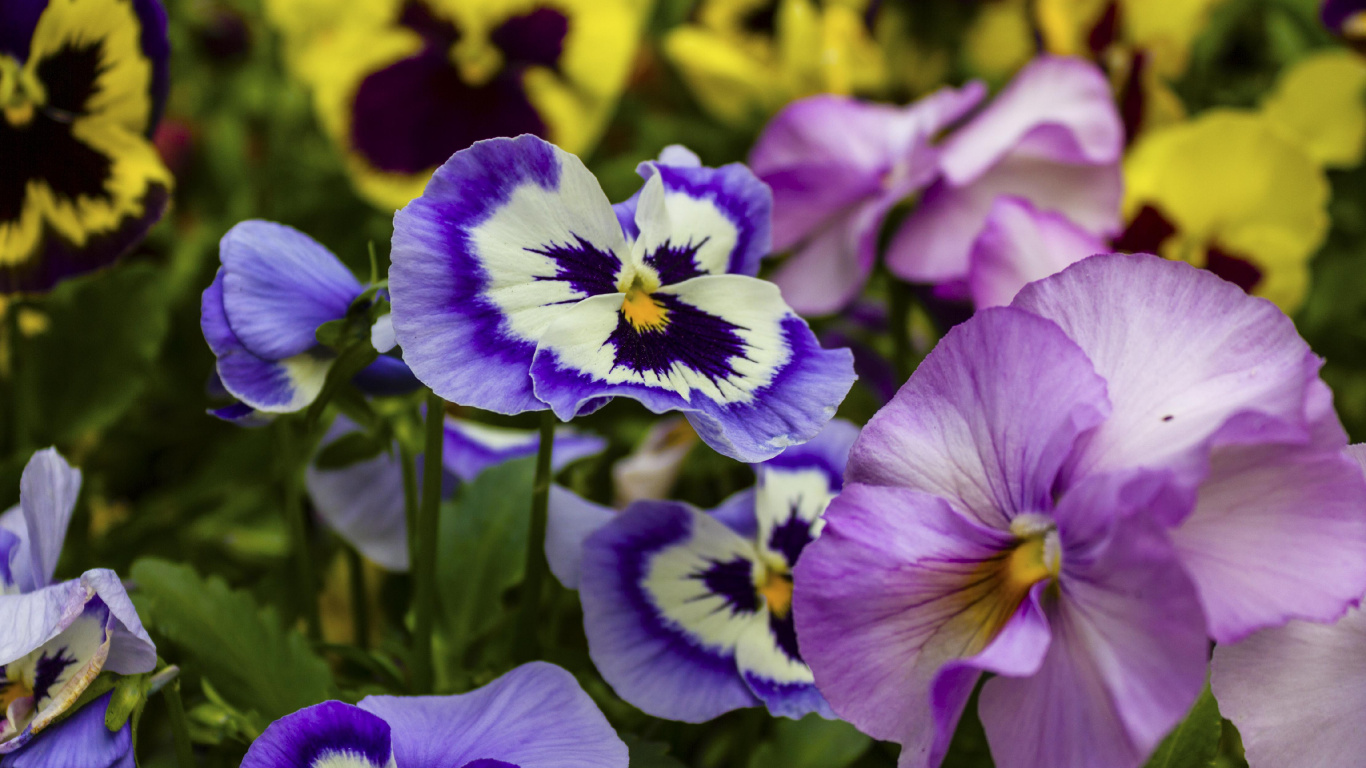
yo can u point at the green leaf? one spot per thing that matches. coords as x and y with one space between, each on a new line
332 334
97 353
351 448
812 742
482 542
254 662
1195 741
349 363
130 695
649 754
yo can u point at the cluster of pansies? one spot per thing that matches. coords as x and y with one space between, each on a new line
1092 477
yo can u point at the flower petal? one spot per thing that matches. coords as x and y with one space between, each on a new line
81 741
507 237
667 593
749 375
1277 533
279 285
988 419
471 447
363 503
1296 692
570 521
828 270
327 735
1185 356
48 491
1020 244
131 650
282 386
535 716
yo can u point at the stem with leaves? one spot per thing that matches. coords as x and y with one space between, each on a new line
527 645
424 563
292 462
180 726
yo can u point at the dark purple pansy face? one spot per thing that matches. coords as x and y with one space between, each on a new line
415 113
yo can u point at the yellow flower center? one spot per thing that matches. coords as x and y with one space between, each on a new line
10 692
20 92
642 310
776 590
996 587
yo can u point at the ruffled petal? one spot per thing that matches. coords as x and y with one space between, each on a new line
1020 244
535 716
1296 692
327 735
279 285
749 375
282 386
508 236
667 594
1185 356
1277 533
988 419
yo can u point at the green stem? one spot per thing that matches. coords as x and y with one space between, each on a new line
298 529
527 645
424 566
360 605
180 726
409 499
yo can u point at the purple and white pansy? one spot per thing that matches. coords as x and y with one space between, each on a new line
55 638
1074 492
688 613
261 314
516 287
535 716
363 502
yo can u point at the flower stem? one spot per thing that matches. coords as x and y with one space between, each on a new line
180 726
360 606
424 565
527 646
409 464
899 321
298 528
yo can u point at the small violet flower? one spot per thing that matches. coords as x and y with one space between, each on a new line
56 638
689 613
535 716
1073 493
261 315
516 286
363 502
80 180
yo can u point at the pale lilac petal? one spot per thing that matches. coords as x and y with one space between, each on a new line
737 511
1185 356
507 237
1019 245
382 334
363 503
667 592
875 599
1057 108
327 735
828 271
131 650
36 617
570 520
1127 658
535 716
988 418
1297 692
1277 533
934 244
279 285
81 741
47 496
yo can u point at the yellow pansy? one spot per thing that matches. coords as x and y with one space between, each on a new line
401 85
1000 40
1320 104
1228 192
745 59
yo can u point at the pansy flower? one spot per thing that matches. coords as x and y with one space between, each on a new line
1192 195
400 85
81 740
1073 493
82 84
261 314
535 716
1317 105
689 613
363 502
837 166
744 59
1051 137
515 287
55 638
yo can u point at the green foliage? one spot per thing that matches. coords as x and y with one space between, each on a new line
812 742
1194 742
258 665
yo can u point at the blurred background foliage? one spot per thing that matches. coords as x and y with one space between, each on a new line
112 369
